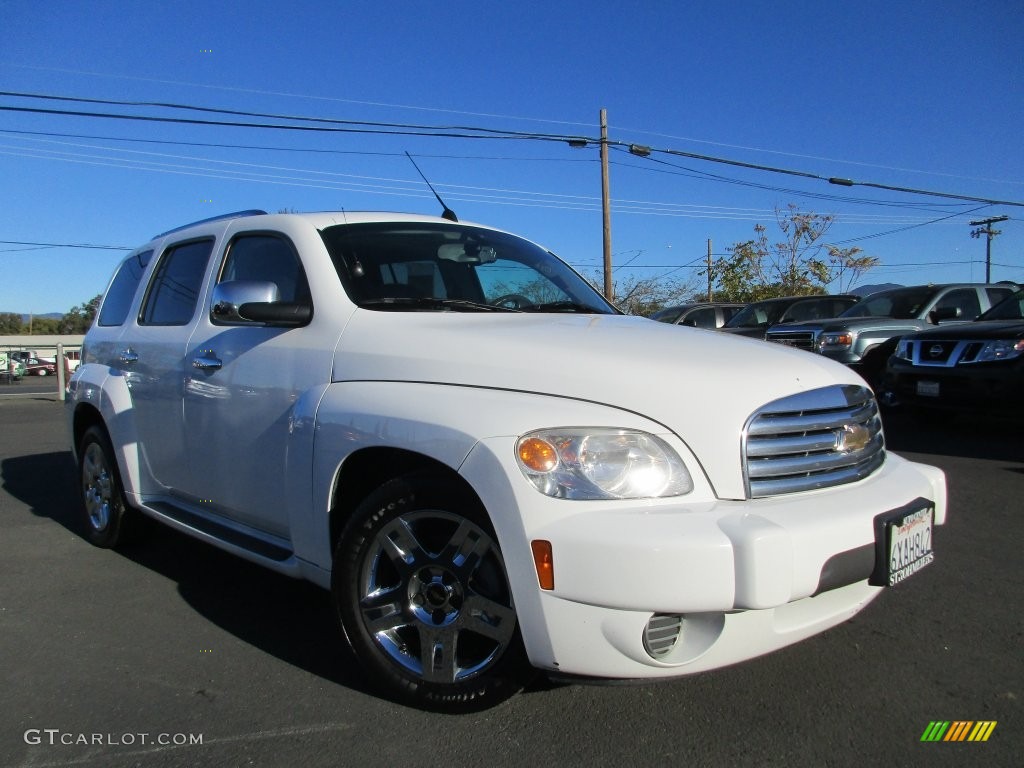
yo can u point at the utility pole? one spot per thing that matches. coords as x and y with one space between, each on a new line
709 270
985 228
609 292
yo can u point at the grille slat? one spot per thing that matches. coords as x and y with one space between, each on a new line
798 339
783 465
771 424
813 440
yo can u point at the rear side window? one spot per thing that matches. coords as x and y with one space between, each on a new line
963 299
995 295
174 292
702 318
121 292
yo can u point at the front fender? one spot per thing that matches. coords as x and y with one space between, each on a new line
106 391
444 423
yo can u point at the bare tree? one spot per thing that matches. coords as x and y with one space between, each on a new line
800 263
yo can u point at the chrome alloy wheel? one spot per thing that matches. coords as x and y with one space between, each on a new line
433 596
97 487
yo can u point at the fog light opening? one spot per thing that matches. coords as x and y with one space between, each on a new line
662 633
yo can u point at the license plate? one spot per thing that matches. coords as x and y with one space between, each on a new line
909 544
928 388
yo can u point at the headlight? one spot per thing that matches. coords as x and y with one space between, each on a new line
903 349
1000 350
835 340
601 464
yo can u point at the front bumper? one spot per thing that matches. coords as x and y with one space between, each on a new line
747 577
984 387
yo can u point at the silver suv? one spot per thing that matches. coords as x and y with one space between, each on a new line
865 335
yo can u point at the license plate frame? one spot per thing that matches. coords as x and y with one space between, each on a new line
928 388
903 542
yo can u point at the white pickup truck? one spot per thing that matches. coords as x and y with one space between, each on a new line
491 469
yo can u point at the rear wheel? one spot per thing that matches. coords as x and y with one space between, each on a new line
107 517
420 586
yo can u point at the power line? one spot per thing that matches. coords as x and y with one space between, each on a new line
312 150
68 245
550 121
467 132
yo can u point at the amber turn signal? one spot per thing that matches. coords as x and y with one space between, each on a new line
538 455
544 562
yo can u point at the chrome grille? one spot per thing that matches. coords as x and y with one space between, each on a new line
815 439
798 339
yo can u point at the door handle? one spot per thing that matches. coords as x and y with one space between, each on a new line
206 363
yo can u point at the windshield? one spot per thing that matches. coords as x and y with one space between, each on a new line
899 303
758 315
1010 308
415 266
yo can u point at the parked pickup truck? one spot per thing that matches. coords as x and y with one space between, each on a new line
864 336
491 469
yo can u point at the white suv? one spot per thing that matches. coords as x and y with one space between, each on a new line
491 469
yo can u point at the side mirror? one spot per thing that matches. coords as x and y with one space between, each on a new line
936 316
241 302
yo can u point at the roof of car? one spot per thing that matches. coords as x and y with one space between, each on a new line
322 219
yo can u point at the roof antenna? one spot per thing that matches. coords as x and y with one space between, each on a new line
448 213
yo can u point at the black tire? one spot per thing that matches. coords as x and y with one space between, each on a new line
108 519
421 590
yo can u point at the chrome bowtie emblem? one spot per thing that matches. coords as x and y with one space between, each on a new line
853 437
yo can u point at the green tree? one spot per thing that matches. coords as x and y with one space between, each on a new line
78 319
799 264
10 323
43 326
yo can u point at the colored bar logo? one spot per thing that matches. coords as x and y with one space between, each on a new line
959 730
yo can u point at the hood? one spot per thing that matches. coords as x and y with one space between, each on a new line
851 324
981 330
701 385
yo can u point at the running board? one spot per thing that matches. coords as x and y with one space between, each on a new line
221 532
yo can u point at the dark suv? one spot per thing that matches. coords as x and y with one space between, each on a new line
975 366
864 336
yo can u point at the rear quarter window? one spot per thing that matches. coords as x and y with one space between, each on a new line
121 293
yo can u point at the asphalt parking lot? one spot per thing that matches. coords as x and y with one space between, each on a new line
125 658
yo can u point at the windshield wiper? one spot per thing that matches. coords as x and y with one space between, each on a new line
430 302
563 306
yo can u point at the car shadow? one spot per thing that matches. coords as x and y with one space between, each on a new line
942 434
290 619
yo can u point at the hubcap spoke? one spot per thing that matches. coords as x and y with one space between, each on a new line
399 544
467 547
437 654
489 618
383 611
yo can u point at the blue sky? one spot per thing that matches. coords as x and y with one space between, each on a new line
926 95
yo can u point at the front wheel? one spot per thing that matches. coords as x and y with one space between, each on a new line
421 590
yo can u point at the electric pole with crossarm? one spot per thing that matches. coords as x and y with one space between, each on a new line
985 228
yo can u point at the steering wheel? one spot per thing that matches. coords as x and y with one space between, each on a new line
512 301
